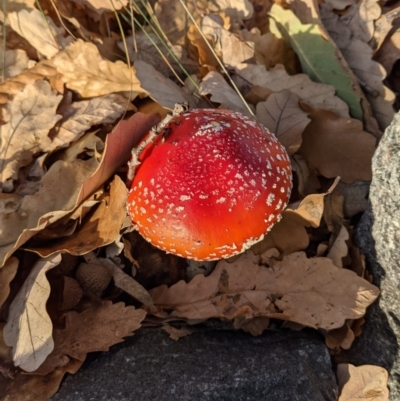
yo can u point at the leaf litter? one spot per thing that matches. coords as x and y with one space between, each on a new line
69 119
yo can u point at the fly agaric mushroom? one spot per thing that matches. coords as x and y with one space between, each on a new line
209 185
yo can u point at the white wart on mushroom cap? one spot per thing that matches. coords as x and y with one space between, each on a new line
211 186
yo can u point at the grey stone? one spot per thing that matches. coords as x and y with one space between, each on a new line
378 236
208 366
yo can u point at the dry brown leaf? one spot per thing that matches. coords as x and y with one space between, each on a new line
281 114
37 388
86 72
236 9
360 18
80 116
339 248
383 25
314 94
143 47
14 62
29 117
389 52
340 4
7 273
312 292
308 214
95 329
55 199
233 49
100 229
29 328
358 55
175 333
366 382
342 337
270 50
214 84
102 6
338 146
161 89
38 30
307 181
255 326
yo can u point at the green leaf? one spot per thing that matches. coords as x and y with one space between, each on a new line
317 55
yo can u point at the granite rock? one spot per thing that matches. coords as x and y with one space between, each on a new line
208 366
378 236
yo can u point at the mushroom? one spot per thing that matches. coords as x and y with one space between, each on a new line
209 185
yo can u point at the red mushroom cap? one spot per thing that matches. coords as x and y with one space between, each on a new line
211 185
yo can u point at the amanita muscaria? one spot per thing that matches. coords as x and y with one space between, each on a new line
209 185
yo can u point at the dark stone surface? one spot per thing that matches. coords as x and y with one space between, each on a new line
208 366
378 236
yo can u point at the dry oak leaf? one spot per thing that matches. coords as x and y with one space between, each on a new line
29 117
282 115
86 72
366 382
342 337
25 387
99 229
312 292
80 116
338 146
55 199
13 62
29 328
102 6
161 89
215 85
307 214
95 329
312 93
339 248
38 30
236 9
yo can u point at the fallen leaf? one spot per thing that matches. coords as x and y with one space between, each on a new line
80 116
312 93
236 9
342 337
86 72
389 52
270 50
102 6
339 248
307 181
358 55
7 273
95 329
37 388
29 117
366 382
214 84
338 146
99 229
312 292
255 326
29 328
317 56
232 48
161 89
383 25
38 30
13 62
55 199
175 333
360 18
281 114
